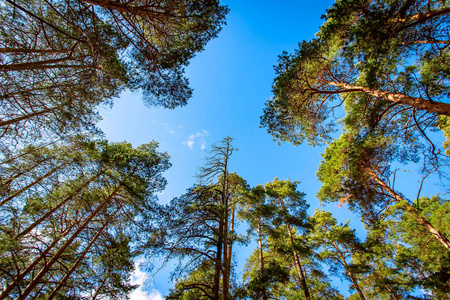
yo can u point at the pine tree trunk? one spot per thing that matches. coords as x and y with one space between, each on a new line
225 254
230 250
81 257
45 64
17 175
299 266
216 286
352 277
427 225
261 258
225 195
419 103
297 261
63 248
27 116
30 267
51 211
48 174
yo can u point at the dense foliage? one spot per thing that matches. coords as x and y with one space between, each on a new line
377 70
74 208
76 211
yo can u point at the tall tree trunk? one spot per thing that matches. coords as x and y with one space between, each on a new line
297 260
230 251
423 17
20 173
31 184
31 51
225 203
218 271
352 277
21 154
51 211
44 64
298 265
225 259
388 288
81 257
97 291
427 225
63 248
261 257
30 267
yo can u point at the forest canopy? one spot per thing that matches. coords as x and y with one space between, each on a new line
78 213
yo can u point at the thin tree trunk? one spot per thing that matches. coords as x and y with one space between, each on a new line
127 8
34 65
216 287
297 261
225 227
63 248
21 275
352 277
17 175
10 160
261 258
388 288
225 255
31 184
51 211
427 225
23 50
27 116
81 257
427 42
298 265
97 291
230 250
423 17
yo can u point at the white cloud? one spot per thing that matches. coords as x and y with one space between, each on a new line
138 277
197 136
139 294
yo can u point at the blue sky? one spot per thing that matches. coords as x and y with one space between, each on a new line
232 79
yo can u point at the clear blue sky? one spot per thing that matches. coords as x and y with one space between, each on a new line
232 79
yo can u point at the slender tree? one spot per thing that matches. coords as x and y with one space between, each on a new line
337 244
199 224
54 231
292 214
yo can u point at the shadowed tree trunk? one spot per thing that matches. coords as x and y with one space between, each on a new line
63 248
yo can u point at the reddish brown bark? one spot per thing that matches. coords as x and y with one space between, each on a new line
81 257
427 225
27 116
51 211
21 275
296 258
261 257
31 184
63 248
352 277
418 103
